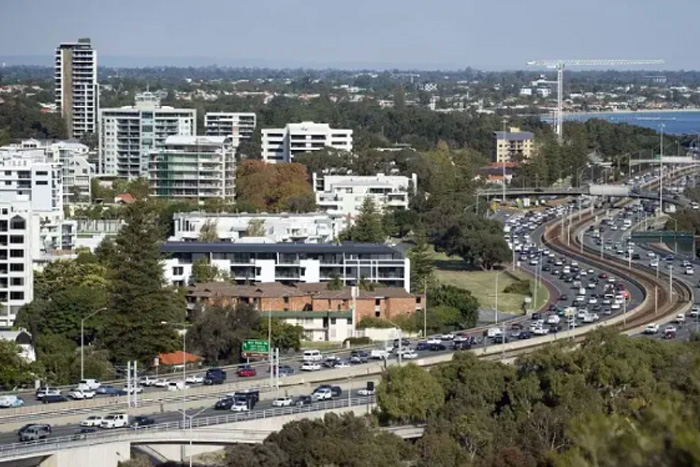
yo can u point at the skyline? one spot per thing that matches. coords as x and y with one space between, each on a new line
409 34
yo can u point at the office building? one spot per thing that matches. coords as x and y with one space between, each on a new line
239 125
325 315
193 167
341 196
281 145
513 145
129 134
313 227
77 92
291 262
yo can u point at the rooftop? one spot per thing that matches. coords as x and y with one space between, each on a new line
510 136
329 248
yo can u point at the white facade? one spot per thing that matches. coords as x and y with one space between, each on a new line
194 167
281 145
341 196
77 92
239 125
129 134
279 228
17 234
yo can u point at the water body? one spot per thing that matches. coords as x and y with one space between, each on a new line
677 123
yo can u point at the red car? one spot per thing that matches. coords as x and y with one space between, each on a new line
246 372
603 275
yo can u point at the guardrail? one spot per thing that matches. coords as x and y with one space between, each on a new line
151 434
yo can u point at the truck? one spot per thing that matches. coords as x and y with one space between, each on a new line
214 376
249 397
378 354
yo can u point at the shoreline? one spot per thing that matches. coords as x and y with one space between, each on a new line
632 112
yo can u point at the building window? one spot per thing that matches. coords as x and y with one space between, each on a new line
42 182
377 301
16 238
16 295
16 253
42 173
332 321
377 314
178 271
418 300
17 223
286 300
17 281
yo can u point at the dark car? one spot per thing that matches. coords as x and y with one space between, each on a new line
524 335
335 390
215 376
286 370
422 346
500 339
357 356
224 404
563 297
462 344
42 426
142 421
303 400
536 316
54 398
437 347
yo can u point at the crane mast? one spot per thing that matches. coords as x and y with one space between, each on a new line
559 65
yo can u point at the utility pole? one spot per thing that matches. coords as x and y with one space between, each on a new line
505 139
661 174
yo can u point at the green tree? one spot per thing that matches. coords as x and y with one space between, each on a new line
55 355
203 271
218 331
14 371
421 264
285 336
141 302
336 282
455 297
368 226
256 228
409 394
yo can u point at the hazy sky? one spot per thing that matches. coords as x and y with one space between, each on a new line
487 34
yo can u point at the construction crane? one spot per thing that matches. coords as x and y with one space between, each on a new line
561 64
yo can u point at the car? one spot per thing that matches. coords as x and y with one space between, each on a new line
142 421
83 432
421 346
147 381
178 385
536 316
81 394
312 355
689 271
434 340
679 319
524 335
195 379
46 391
563 297
161 383
285 370
302 401
42 426
540 331
465 344
8 402
342 363
359 356
366 392
602 275
378 354
310 366
239 406
115 420
132 390
108 390
500 339
246 372
322 394
89 384
410 354
224 404
695 311
447 336
651 329
670 332
437 347
282 402
92 420
33 432
54 398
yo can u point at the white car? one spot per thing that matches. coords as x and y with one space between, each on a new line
447 336
177 386
195 379
115 420
680 319
323 394
651 329
591 318
615 306
695 311
81 394
365 392
434 340
409 354
282 402
148 381
161 383
689 271
239 406
592 301
89 384
342 364
540 331
310 366
651 254
654 263
133 390
377 354
92 420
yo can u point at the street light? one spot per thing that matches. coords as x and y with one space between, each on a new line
400 338
82 341
191 417
184 366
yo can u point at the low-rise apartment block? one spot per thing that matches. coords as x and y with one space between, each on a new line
290 263
129 134
193 167
314 227
513 145
239 125
341 196
325 315
282 144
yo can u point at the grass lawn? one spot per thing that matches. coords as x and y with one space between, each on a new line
482 284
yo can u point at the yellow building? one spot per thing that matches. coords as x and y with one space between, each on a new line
513 145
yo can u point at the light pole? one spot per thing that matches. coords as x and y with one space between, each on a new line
400 339
184 366
191 417
82 341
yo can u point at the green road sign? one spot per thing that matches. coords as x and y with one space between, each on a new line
255 347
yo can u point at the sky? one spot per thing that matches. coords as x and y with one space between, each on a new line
422 34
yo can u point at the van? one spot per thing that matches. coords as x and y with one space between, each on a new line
115 420
89 384
312 356
214 376
582 291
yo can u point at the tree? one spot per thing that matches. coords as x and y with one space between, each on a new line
218 331
55 355
368 224
140 300
409 394
457 298
421 264
90 140
15 370
208 233
336 282
285 336
203 271
66 273
274 187
479 242
256 228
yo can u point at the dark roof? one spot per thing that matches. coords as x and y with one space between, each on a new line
229 247
519 136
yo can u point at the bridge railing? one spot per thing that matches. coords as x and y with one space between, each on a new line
149 433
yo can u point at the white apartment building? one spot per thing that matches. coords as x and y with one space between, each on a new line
77 91
16 275
281 145
341 196
77 171
129 134
239 125
314 227
194 167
